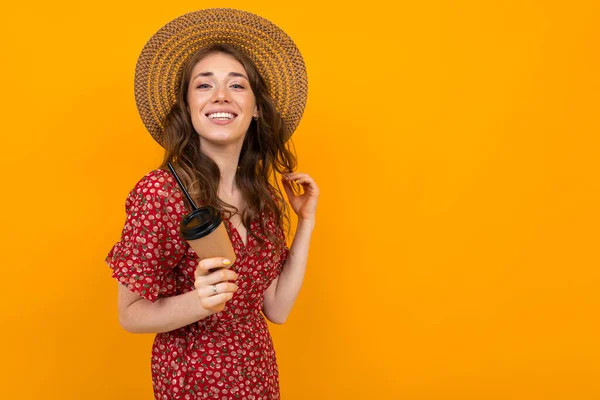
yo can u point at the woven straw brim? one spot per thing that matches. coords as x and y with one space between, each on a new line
160 65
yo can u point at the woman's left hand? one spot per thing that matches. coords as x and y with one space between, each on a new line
305 204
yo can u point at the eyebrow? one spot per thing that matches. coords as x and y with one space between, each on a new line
236 74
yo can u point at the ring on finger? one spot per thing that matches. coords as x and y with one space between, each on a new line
214 289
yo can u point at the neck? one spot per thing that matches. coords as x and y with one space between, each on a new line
226 158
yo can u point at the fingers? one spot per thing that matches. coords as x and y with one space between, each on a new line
305 180
295 176
216 300
205 266
213 289
221 275
290 188
214 278
217 289
293 182
298 177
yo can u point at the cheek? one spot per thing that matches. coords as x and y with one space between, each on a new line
248 105
194 108
195 116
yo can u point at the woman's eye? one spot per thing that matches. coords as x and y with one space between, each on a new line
237 86
203 86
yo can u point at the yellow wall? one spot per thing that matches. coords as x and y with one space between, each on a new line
456 146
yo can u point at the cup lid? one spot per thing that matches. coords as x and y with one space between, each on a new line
200 222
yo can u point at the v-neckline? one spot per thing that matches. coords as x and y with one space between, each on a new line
234 230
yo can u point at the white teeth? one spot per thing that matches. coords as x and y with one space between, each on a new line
221 115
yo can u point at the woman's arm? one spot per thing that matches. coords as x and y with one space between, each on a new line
283 291
140 315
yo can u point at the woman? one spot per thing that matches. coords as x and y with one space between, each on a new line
225 123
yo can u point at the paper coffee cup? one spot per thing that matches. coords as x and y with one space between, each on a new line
204 230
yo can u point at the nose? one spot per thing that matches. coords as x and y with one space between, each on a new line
220 94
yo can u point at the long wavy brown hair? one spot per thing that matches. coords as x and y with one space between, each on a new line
265 152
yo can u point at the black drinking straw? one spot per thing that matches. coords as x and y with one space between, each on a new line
194 207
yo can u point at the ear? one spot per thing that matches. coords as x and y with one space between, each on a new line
255 113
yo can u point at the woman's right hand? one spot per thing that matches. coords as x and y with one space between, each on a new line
213 288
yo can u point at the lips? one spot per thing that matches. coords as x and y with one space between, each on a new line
223 115
221 118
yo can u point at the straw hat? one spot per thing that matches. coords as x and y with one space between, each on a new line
160 65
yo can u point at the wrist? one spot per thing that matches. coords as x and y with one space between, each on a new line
306 222
201 312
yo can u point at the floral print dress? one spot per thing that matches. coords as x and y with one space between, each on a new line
228 355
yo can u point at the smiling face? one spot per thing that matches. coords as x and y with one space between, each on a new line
220 100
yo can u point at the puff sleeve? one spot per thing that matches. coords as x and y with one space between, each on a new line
150 246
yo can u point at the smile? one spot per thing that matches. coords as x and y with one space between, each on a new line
222 116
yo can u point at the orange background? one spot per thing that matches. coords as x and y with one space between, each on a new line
456 146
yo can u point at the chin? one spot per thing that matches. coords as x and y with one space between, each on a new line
221 139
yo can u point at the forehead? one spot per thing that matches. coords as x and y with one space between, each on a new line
218 63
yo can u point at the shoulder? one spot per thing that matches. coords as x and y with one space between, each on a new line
156 189
156 185
155 181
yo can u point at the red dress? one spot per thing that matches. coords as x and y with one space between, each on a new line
228 355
